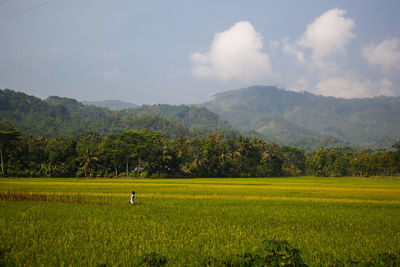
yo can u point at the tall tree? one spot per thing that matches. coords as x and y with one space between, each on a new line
61 161
396 146
88 151
294 161
273 157
120 146
131 145
7 134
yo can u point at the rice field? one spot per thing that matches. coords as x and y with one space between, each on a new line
90 222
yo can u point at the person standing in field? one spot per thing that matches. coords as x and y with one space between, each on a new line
133 198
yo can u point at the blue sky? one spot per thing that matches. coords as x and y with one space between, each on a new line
183 52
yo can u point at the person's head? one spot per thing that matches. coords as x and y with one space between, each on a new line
133 192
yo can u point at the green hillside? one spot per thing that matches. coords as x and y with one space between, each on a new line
57 116
111 104
297 119
191 116
305 119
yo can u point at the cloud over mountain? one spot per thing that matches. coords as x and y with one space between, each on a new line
352 86
235 54
328 34
319 53
385 55
319 59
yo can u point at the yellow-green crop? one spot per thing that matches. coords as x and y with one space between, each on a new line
189 219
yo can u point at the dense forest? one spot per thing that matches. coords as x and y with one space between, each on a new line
311 121
59 116
153 154
60 137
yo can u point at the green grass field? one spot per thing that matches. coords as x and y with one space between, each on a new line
189 219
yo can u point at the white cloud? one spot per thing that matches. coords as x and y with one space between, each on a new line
300 85
318 51
386 87
352 86
322 41
328 35
235 54
385 55
294 50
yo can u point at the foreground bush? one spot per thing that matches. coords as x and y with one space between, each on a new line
383 259
270 253
281 253
152 259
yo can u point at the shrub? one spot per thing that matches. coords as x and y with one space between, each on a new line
270 253
386 259
152 259
279 253
383 259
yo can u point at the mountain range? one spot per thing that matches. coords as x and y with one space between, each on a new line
302 119
291 118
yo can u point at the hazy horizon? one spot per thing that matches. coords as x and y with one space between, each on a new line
180 52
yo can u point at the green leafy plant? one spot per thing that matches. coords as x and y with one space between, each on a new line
279 253
270 253
152 259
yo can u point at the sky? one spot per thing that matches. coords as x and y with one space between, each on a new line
184 51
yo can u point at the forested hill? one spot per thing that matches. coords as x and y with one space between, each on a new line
191 116
58 116
111 104
303 118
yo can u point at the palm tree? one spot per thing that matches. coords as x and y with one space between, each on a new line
88 150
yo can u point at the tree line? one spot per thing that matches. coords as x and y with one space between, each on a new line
132 154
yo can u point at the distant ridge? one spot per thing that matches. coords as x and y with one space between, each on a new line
289 118
302 118
111 104
61 116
